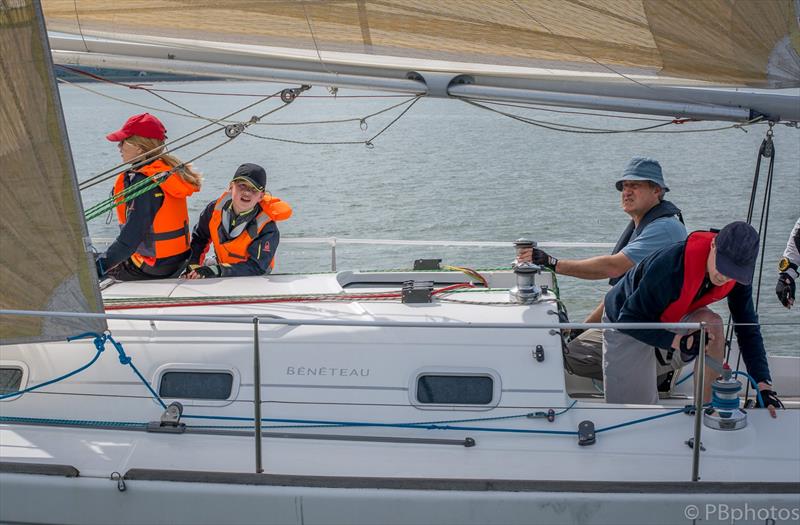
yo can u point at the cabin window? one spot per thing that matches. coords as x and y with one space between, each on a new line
196 385
455 389
10 379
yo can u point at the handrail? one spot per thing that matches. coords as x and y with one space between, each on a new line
335 241
270 319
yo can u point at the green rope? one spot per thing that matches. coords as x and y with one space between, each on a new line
126 195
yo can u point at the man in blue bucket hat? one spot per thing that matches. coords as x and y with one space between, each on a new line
655 223
676 284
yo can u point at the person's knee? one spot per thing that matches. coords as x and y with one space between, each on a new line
713 321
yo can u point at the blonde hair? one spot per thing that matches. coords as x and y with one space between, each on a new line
153 149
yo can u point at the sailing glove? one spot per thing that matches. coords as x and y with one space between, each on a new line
770 399
208 271
690 344
543 259
785 289
101 271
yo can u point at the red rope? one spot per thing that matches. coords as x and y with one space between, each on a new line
226 302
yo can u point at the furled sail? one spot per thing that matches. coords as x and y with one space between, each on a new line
637 49
44 264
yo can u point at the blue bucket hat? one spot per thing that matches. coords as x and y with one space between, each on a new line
642 168
737 249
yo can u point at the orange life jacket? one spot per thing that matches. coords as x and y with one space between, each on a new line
695 255
235 250
169 233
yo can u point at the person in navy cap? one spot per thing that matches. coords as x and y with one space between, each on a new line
676 284
655 223
240 225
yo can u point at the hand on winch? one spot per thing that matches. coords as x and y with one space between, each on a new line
541 258
770 398
689 345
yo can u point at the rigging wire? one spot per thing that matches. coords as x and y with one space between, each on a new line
142 159
559 127
194 115
536 107
80 28
232 132
567 128
367 142
766 149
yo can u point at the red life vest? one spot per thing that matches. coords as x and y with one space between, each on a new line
235 250
695 255
169 233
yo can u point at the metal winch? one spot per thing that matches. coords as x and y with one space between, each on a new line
724 413
526 291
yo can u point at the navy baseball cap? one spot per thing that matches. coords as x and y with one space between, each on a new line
642 168
737 249
252 174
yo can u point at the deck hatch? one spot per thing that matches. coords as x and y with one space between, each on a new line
196 385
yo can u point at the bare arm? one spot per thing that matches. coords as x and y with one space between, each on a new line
600 267
597 314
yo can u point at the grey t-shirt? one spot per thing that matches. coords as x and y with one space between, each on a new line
658 234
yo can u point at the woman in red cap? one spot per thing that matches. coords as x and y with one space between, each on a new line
154 239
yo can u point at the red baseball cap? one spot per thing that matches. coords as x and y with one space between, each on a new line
144 125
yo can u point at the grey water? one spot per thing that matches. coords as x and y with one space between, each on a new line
448 171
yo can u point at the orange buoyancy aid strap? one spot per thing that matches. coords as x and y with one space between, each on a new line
695 256
148 170
119 187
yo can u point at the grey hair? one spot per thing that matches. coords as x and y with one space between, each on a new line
661 190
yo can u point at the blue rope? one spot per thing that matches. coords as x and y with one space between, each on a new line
70 422
99 343
685 378
443 424
328 424
124 359
641 420
723 404
755 386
